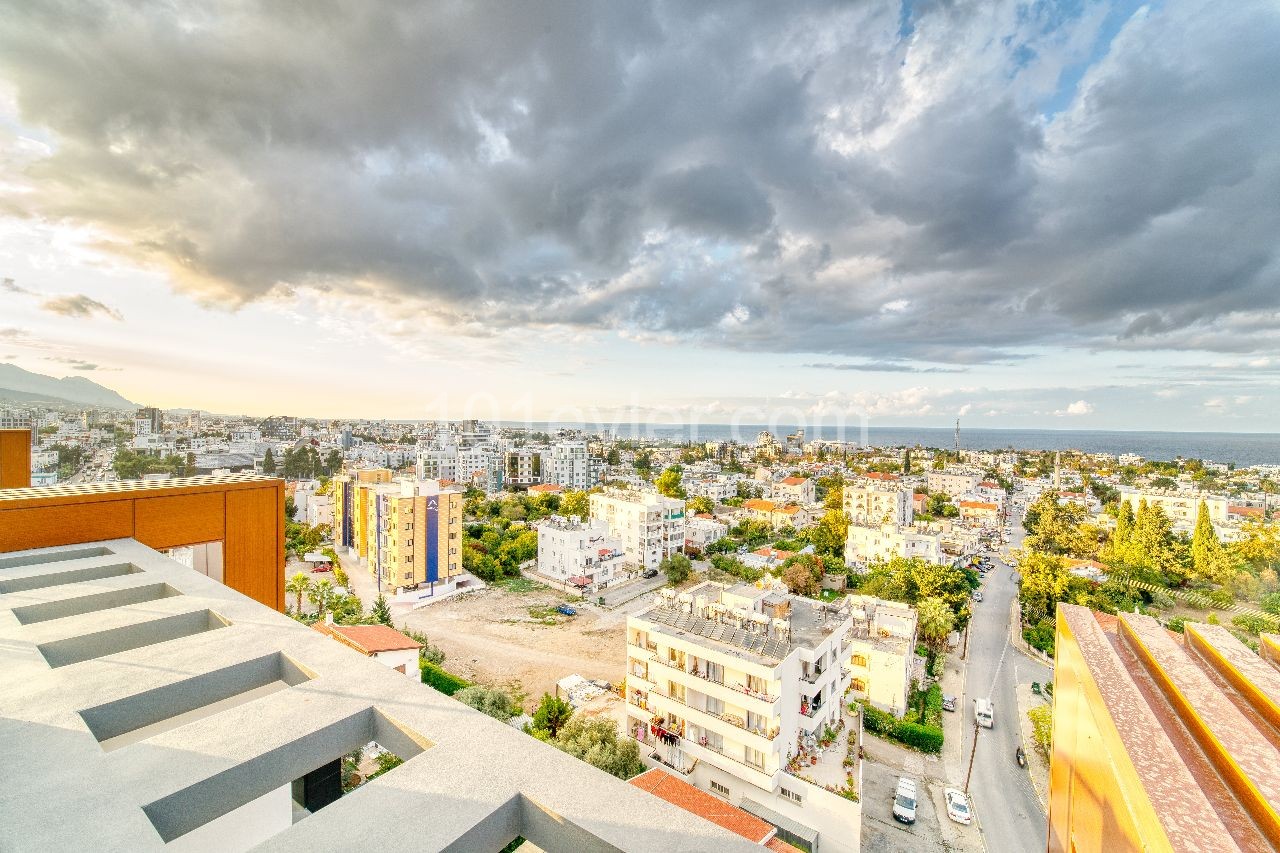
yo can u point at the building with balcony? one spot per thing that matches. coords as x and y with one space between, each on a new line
882 652
795 490
1182 507
952 483
582 553
1162 742
571 465
650 525
725 685
877 499
865 544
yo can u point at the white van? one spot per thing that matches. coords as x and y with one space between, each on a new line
985 712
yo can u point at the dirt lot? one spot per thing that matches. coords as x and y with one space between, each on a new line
496 636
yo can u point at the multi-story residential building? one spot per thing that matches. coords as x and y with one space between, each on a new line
986 513
351 507
867 544
148 421
795 490
480 467
1182 508
414 532
1189 766
579 552
877 499
715 488
778 515
571 465
952 483
521 467
726 684
882 652
650 525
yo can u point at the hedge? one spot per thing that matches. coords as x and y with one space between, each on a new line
882 723
445 682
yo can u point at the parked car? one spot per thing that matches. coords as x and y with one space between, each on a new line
321 567
649 573
904 801
948 702
566 610
958 806
977 595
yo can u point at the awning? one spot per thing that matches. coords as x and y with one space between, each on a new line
783 823
579 580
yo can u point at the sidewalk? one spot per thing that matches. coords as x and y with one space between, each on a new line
1037 767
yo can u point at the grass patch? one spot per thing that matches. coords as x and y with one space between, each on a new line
518 585
546 614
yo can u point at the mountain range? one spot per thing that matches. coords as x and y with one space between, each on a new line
23 386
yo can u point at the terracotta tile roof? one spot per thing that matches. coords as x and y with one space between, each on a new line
978 505
368 639
546 488
759 505
880 475
989 485
793 481
1254 511
706 806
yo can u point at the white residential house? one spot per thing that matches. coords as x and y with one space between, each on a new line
725 685
877 499
882 652
795 490
872 544
1182 507
579 552
650 525
952 483
701 530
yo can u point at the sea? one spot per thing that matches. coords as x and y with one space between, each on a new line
1240 448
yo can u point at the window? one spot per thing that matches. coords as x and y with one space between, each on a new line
859 660
858 685
717 788
791 795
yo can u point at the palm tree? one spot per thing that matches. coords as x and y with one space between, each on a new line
320 594
299 585
935 621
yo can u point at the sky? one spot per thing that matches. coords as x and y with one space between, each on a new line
1055 215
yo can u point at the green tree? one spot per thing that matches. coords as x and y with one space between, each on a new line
381 612
677 568
1207 554
700 504
322 595
828 536
552 714
575 503
489 700
298 585
613 457
669 482
332 462
269 462
596 742
802 573
936 621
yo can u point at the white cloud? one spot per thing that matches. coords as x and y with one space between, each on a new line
1079 407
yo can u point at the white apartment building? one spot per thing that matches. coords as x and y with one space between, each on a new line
1181 507
320 510
725 684
878 499
521 467
952 483
650 525
470 466
569 464
882 652
873 544
795 490
700 532
715 488
582 553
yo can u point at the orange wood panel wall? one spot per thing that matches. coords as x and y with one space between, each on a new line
244 512
15 458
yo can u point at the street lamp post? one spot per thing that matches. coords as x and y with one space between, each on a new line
972 753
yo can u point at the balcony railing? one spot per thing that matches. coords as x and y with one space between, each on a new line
735 687
712 755
812 676
811 711
731 719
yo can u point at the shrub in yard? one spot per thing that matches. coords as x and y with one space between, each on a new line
1041 636
923 738
876 721
1252 624
1042 728
445 682
1175 623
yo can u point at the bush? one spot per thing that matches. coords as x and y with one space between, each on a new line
1175 623
1253 624
447 683
1042 728
876 721
924 738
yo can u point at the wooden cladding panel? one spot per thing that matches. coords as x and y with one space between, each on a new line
15 458
166 522
250 547
69 524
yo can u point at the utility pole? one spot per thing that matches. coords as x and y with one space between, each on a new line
972 753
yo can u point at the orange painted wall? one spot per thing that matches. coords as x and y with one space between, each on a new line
245 513
15 458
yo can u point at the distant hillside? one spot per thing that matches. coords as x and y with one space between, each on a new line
20 385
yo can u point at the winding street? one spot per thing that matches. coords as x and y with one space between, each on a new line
1005 802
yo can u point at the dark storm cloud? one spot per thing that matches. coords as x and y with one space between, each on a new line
757 176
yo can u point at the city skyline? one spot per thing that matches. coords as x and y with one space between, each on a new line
1026 217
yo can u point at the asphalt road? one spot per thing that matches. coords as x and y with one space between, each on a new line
1003 797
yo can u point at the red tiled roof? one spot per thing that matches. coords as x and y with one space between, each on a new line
368 639
767 551
1254 511
760 505
990 485
880 475
978 505
546 488
680 793
793 481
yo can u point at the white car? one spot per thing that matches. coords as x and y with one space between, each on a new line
958 806
977 595
904 801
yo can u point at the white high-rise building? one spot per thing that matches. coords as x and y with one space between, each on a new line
569 464
650 525
878 499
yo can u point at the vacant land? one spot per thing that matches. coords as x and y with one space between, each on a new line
512 633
